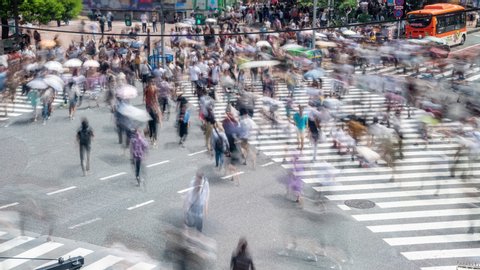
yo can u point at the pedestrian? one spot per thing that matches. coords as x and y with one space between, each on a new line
138 149
151 104
145 71
247 127
164 95
37 38
101 21
196 202
84 139
183 124
109 20
300 122
73 96
47 99
314 128
220 145
241 258
144 19
34 97
154 22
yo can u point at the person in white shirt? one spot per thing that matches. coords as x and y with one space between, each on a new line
194 72
144 19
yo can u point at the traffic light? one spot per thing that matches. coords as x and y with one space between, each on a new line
128 20
199 19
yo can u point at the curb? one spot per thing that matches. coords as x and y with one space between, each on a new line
474 30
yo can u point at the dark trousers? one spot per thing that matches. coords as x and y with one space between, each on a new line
85 157
218 158
152 124
144 27
154 26
138 165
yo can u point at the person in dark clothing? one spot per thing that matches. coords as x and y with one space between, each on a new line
84 139
241 259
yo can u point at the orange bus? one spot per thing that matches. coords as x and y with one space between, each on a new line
445 21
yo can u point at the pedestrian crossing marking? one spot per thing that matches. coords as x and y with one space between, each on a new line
103 263
442 254
418 214
432 239
425 226
74 253
32 253
19 240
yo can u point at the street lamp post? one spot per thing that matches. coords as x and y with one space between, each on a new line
314 23
162 32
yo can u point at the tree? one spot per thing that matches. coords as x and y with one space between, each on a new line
72 8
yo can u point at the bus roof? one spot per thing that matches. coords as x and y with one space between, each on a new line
437 9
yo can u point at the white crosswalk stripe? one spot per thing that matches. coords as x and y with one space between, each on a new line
436 214
22 106
21 252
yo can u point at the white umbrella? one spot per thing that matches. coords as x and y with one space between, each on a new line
127 91
183 25
91 63
349 33
435 39
326 44
254 64
291 46
54 66
263 43
73 63
211 20
368 154
51 77
134 113
32 67
57 86
37 84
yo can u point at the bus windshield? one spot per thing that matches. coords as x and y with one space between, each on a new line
419 20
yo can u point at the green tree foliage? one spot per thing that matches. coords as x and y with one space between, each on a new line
347 5
41 11
72 8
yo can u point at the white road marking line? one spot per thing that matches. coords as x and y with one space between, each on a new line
8 205
103 263
424 226
388 185
462 49
232 175
14 242
344 207
199 152
61 190
267 164
142 266
418 214
112 176
441 254
158 163
414 203
425 192
84 223
140 205
473 78
2 233
31 253
432 239
185 190
449 267
76 252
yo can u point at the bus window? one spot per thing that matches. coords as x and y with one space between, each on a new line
419 21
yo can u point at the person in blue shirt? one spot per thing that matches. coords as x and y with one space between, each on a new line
300 120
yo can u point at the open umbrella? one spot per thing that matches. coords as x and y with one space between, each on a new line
314 74
32 67
349 32
435 40
263 43
326 44
183 25
55 78
127 91
292 46
211 20
37 84
47 44
91 64
133 113
73 63
56 85
254 64
54 66
187 41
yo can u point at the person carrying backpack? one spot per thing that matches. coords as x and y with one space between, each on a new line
220 145
84 139
138 149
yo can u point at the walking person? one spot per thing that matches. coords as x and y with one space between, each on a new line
301 123
73 96
109 20
138 150
154 22
144 19
196 202
220 144
183 124
314 128
151 104
241 258
84 139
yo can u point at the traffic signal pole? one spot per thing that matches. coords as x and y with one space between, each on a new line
162 32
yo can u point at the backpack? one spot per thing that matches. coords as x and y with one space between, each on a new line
84 135
219 143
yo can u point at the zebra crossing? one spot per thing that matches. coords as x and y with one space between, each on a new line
428 216
21 106
27 252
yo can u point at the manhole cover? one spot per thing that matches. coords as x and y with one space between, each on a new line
360 204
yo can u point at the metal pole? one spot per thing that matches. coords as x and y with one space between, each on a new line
162 32
398 29
314 23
